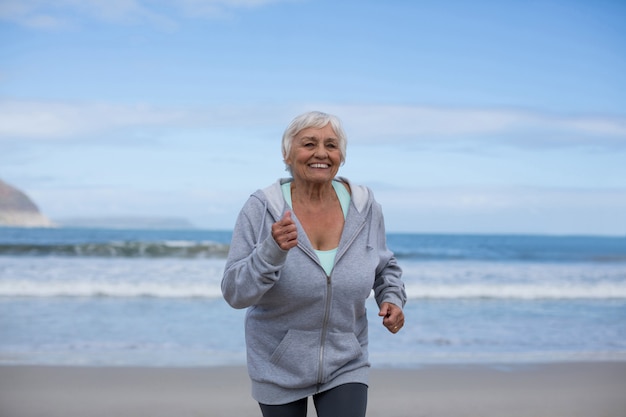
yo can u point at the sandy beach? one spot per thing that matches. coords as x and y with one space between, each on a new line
552 390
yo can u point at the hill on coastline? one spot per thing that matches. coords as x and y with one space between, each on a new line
18 210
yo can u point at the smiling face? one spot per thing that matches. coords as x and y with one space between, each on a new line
315 156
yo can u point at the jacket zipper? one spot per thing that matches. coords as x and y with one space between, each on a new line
320 374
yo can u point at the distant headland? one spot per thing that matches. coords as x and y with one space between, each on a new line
18 210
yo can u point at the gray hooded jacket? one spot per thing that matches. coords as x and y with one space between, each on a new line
306 332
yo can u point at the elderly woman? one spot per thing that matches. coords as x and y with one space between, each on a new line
305 255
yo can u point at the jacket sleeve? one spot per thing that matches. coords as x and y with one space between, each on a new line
252 266
388 285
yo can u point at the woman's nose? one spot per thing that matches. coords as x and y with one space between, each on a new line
321 152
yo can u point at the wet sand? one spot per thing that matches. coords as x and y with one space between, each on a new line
582 389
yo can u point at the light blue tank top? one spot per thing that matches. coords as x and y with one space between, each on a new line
326 257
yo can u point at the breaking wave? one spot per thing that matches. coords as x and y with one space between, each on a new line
122 249
77 288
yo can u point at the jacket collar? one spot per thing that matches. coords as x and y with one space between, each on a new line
360 196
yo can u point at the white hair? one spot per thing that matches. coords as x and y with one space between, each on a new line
315 119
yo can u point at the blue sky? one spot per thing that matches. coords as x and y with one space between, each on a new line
463 117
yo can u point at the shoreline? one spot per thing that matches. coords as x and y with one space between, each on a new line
560 389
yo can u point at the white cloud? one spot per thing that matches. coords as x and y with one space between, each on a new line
405 121
495 198
211 8
210 206
376 123
512 126
525 210
47 14
58 120
505 209
47 22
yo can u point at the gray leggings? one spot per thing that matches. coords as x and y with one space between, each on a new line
348 400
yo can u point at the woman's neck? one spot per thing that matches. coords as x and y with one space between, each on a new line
307 192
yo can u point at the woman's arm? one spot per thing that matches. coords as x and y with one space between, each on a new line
388 287
251 268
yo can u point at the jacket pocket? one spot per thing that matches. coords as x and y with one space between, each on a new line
340 350
295 362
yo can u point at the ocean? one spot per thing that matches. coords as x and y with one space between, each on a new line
101 297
